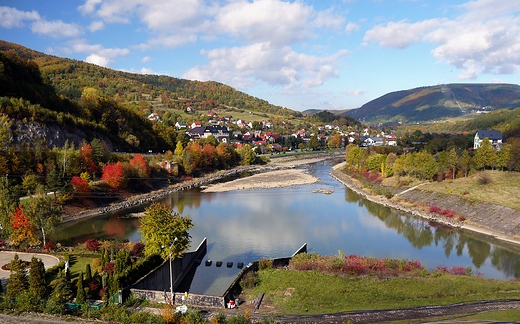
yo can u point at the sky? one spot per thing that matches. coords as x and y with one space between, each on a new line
304 54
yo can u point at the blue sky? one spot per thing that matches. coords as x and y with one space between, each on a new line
323 54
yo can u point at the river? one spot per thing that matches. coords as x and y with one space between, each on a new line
243 226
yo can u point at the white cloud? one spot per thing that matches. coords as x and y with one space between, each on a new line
275 21
12 17
351 26
328 19
354 92
400 34
97 54
98 60
89 6
243 66
146 59
96 25
56 28
485 38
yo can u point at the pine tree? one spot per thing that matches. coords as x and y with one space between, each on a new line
88 272
18 282
63 289
81 296
37 283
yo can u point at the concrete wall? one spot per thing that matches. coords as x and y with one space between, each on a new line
159 278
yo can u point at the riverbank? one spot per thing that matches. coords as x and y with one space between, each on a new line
481 218
277 163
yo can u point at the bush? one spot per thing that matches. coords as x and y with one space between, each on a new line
435 209
92 245
249 280
483 179
265 264
137 250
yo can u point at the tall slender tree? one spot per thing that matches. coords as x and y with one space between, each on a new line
37 284
18 282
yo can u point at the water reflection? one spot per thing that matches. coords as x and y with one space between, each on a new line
242 226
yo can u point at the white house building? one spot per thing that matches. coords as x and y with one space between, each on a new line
494 136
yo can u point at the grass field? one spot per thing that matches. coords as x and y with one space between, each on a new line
502 189
311 292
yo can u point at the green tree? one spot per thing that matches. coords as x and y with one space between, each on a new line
30 182
162 227
81 296
465 160
503 157
44 214
313 144
18 282
247 156
9 200
374 162
5 132
88 272
37 283
485 155
54 181
354 156
452 159
425 165
62 291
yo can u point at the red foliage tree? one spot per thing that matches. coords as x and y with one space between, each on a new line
87 158
23 229
140 166
92 245
114 176
80 185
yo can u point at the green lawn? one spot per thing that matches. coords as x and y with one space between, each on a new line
502 189
78 264
299 292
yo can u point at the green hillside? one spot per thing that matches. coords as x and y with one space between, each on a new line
437 103
25 95
70 77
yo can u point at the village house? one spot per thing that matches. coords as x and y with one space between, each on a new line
494 136
154 116
180 125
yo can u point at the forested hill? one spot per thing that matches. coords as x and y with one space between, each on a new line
437 102
70 77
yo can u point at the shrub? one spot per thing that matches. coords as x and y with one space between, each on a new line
249 280
465 193
462 218
96 265
265 264
92 245
49 246
109 268
137 250
483 179
435 209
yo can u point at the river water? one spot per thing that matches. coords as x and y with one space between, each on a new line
243 226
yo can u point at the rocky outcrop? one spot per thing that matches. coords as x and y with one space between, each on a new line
53 134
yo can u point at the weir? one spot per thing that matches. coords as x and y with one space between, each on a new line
155 286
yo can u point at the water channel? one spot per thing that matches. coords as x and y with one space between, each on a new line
243 226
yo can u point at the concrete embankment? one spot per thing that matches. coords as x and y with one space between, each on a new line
494 221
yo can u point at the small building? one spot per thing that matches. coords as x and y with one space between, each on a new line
154 116
494 136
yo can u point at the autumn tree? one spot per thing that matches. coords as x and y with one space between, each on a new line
18 282
335 141
114 176
179 149
86 156
514 155
80 186
226 154
44 214
5 132
139 166
161 226
23 230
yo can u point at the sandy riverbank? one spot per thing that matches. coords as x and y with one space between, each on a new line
470 225
273 179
